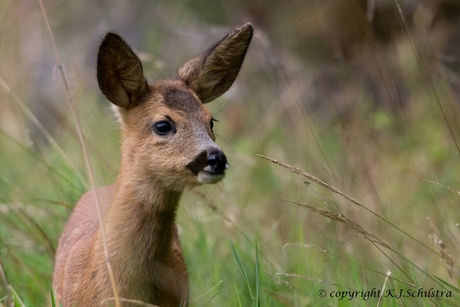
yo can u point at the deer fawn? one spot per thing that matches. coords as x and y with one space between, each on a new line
167 146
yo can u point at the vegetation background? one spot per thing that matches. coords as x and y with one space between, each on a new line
362 94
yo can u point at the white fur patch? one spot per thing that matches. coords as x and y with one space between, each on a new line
209 178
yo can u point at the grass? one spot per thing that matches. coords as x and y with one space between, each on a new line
356 199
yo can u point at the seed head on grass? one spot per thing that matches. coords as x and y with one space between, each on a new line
446 258
357 230
335 216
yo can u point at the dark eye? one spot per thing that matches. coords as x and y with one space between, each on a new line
163 127
211 123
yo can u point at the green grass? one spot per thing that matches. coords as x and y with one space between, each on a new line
256 269
265 236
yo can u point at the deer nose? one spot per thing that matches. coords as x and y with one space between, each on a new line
218 161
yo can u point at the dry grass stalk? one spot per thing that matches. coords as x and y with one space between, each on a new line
298 171
318 280
212 288
348 260
429 75
383 287
346 221
446 258
444 186
339 216
39 126
350 224
85 151
280 281
6 287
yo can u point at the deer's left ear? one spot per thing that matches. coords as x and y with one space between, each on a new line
211 74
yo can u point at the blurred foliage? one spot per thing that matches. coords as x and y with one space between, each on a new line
362 94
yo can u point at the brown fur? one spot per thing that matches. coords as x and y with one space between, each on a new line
139 209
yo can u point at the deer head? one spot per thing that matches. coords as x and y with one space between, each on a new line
167 132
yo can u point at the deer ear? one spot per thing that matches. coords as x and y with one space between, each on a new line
211 74
119 72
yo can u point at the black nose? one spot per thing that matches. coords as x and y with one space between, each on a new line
218 161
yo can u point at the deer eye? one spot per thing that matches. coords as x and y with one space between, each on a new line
163 127
211 123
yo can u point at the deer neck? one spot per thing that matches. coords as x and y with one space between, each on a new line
141 217
142 238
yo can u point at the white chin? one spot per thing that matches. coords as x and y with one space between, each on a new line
209 178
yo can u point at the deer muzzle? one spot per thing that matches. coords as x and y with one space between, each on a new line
209 166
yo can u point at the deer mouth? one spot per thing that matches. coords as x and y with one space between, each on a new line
209 178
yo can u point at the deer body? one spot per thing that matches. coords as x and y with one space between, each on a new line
167 146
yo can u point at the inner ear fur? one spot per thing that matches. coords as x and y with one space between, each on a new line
119 72
213 73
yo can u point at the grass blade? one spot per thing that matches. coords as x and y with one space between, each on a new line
257 300
243 271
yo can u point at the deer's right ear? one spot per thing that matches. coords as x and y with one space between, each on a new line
119 72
